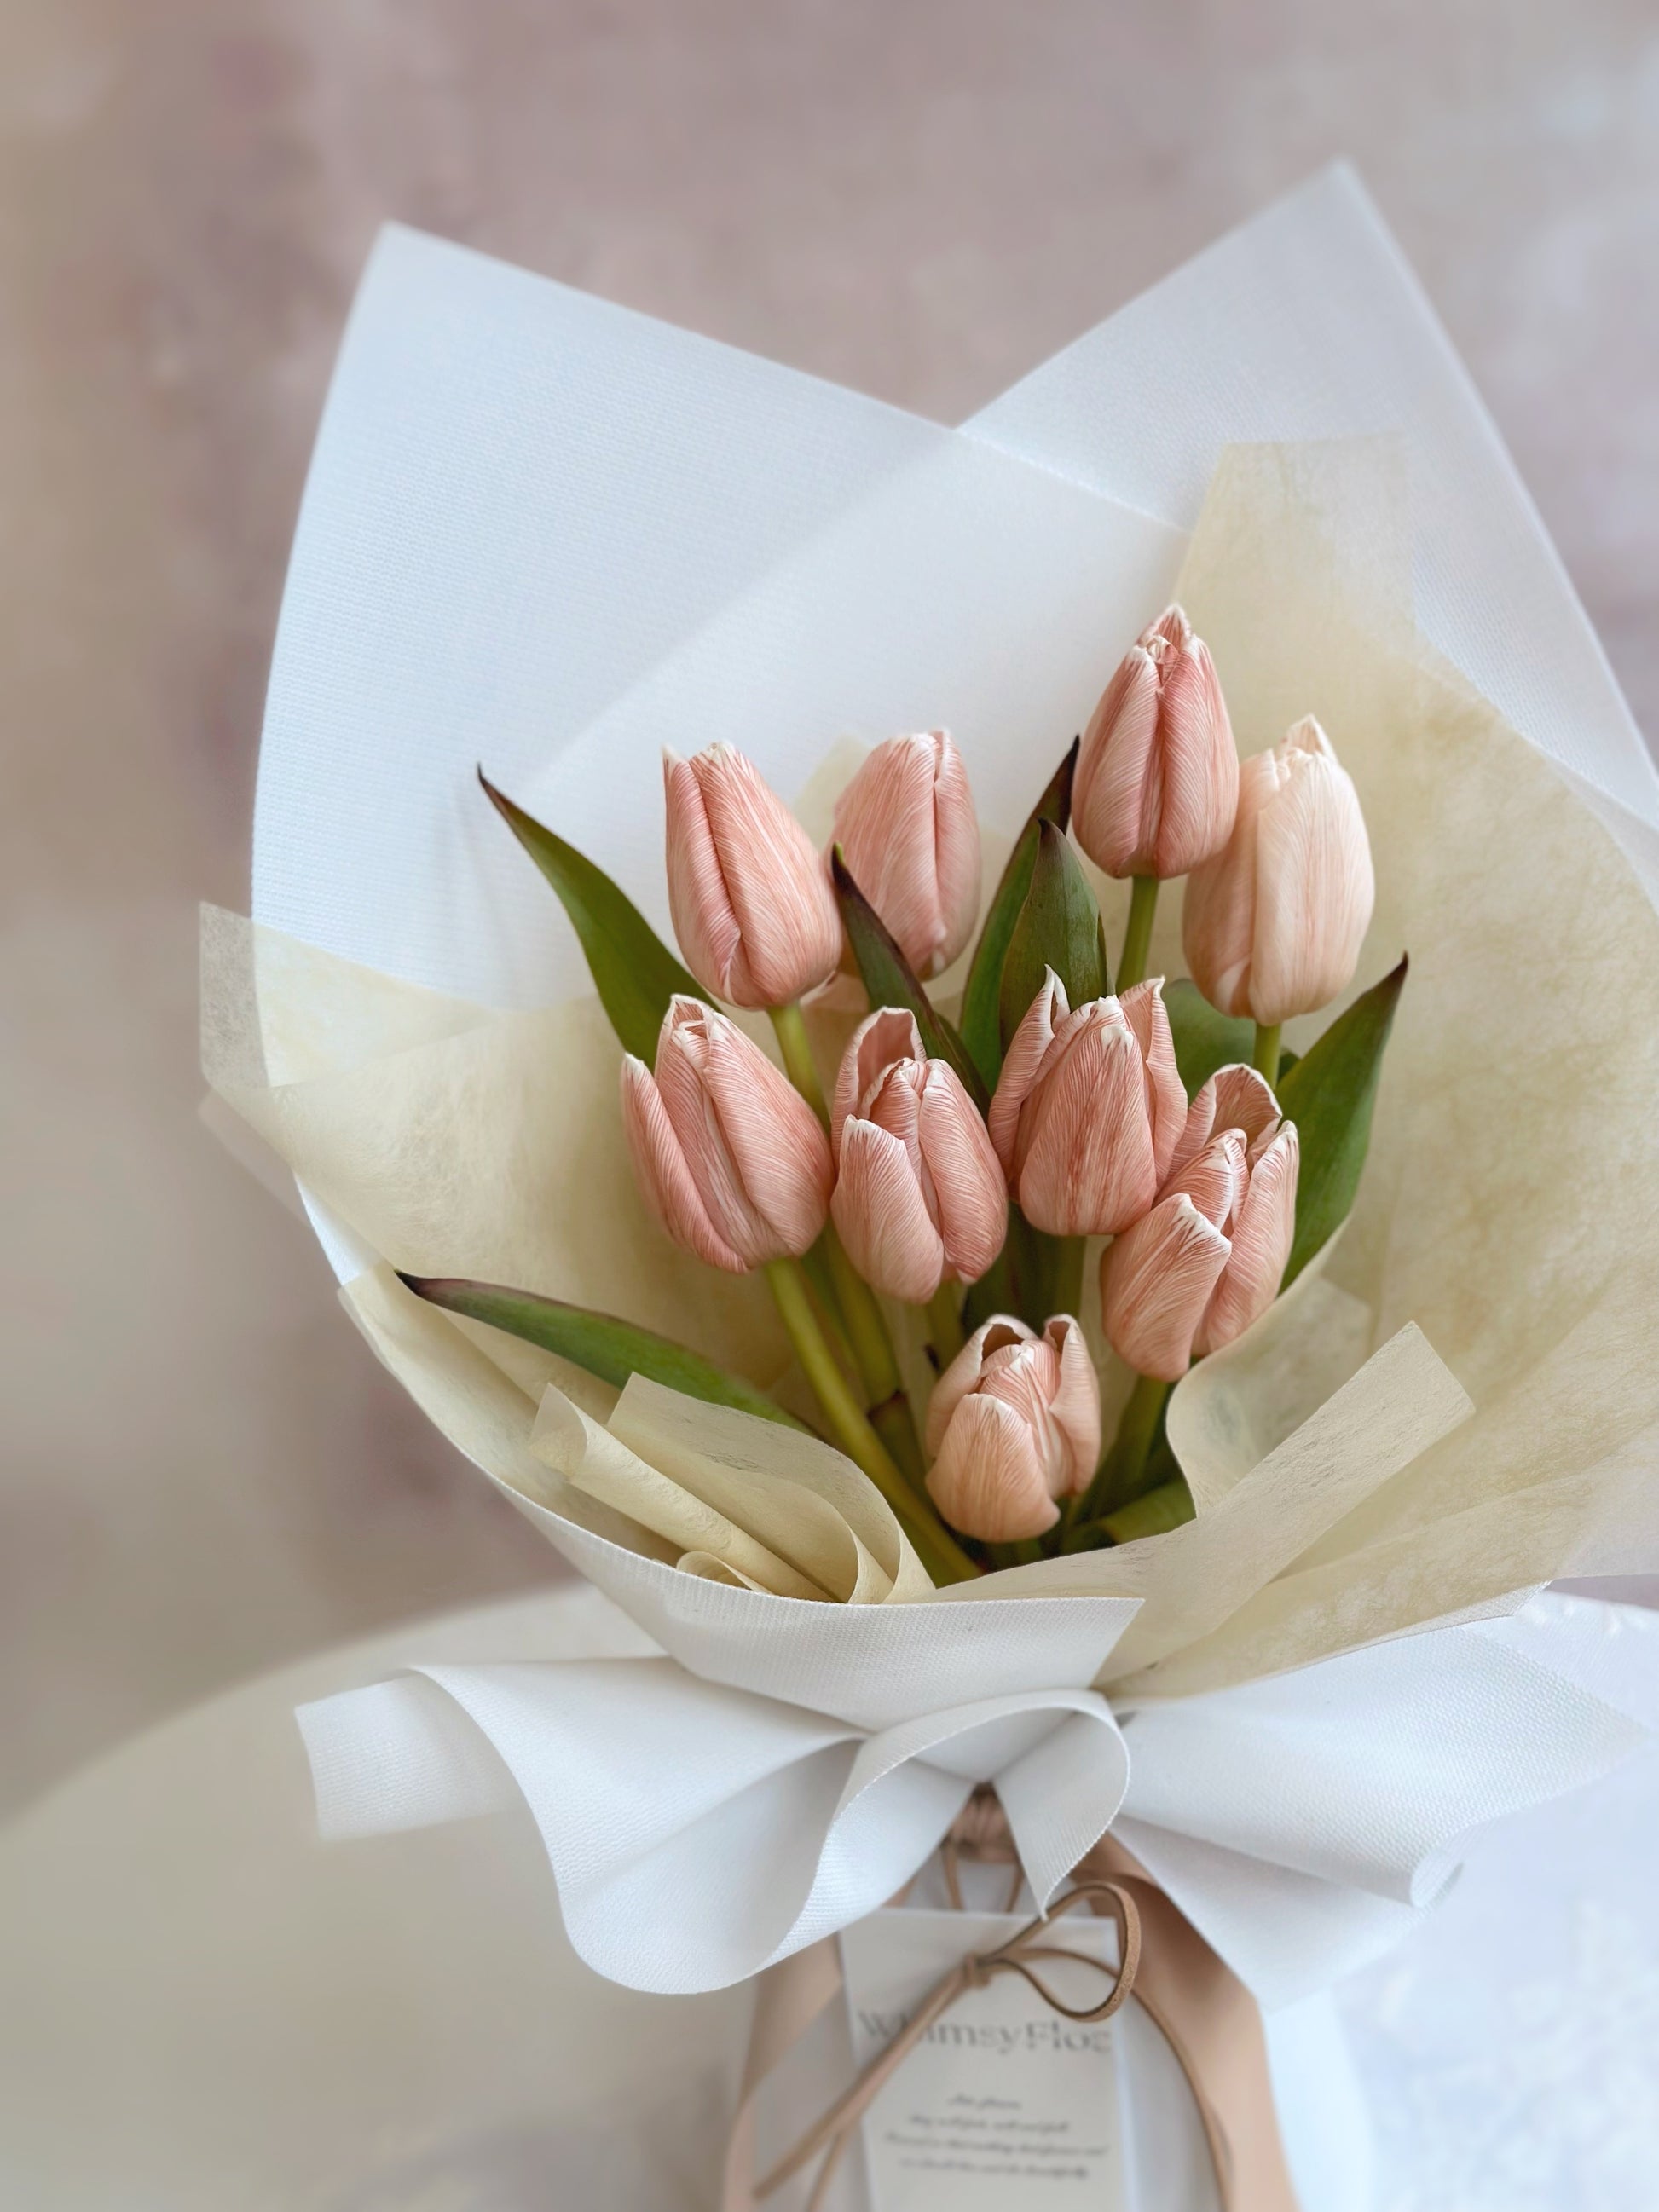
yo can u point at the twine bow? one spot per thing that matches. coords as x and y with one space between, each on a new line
835 2130
1204 2013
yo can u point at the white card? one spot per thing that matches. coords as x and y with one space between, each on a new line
1003 2100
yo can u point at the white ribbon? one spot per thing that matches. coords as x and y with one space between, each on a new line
699 1830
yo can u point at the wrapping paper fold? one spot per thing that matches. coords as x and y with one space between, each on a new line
544 532
698 1832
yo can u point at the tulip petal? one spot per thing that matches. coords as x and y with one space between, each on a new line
969 1192
1262 1237
1166 1095
957 840
1075 1407
1116 789
964 1373
1217 1180
882 1037
1085 1161
1234 1097
1199 765
704 922
1218 919
774 1139
1156 1282
883 1217
988 1480
665 1179
1027 1049
1314 888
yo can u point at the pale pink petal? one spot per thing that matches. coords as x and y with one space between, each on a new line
956 831
1027 1049
665 1180
1156 1281
704 922
777 886
988 1480
1166 1095
1075 1407
1314 888
969 1193
1262 1237
1085 1159
1199 765
774 1141
964 1373
1114 792
888 1034
1216 1181
1218 920
884 824
883 1218
1234 1097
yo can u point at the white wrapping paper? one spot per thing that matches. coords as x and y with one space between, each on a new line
545 532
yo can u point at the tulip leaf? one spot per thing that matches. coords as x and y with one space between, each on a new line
634 971
611 1349
1025 1280
1060 928
891 981
1204 1039
1329 1094
981 1027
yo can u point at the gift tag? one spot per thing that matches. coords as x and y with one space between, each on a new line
1003 2100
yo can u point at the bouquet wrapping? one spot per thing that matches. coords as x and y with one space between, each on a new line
546 533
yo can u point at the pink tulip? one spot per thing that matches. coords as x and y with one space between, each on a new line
751 903
920 1196
1206 1261
907 826
1088 1109
1014 1423
1157 776
730 1157
1274 924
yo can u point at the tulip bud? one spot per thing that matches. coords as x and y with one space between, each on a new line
1014 1424
1088 1109
730 1157
907 826
919 1195
1274 924
751 903
1206 1261
1157 775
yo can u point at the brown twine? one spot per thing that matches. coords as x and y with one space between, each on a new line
1203 2011
835 2130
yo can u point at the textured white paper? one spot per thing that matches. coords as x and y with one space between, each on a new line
1003 2100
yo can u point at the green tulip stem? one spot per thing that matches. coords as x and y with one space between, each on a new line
798 1062
945 1324
932 1541
1066 1284
1119 1476
1267 1049
1138 937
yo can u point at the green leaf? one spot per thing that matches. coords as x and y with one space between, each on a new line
891 981
1204 1040
1329 1094
981 1028
1060 928
611 1349
634 971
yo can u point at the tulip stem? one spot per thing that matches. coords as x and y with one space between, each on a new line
1267 1050
945 1324
933 1542
798 1062
860 1315
1138 937
1119 1480
1066 1283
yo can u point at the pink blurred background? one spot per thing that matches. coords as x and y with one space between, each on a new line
203 1471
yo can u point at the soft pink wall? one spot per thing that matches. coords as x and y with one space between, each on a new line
203 1470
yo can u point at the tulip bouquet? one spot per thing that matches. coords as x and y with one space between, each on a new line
960 1167
965 1351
